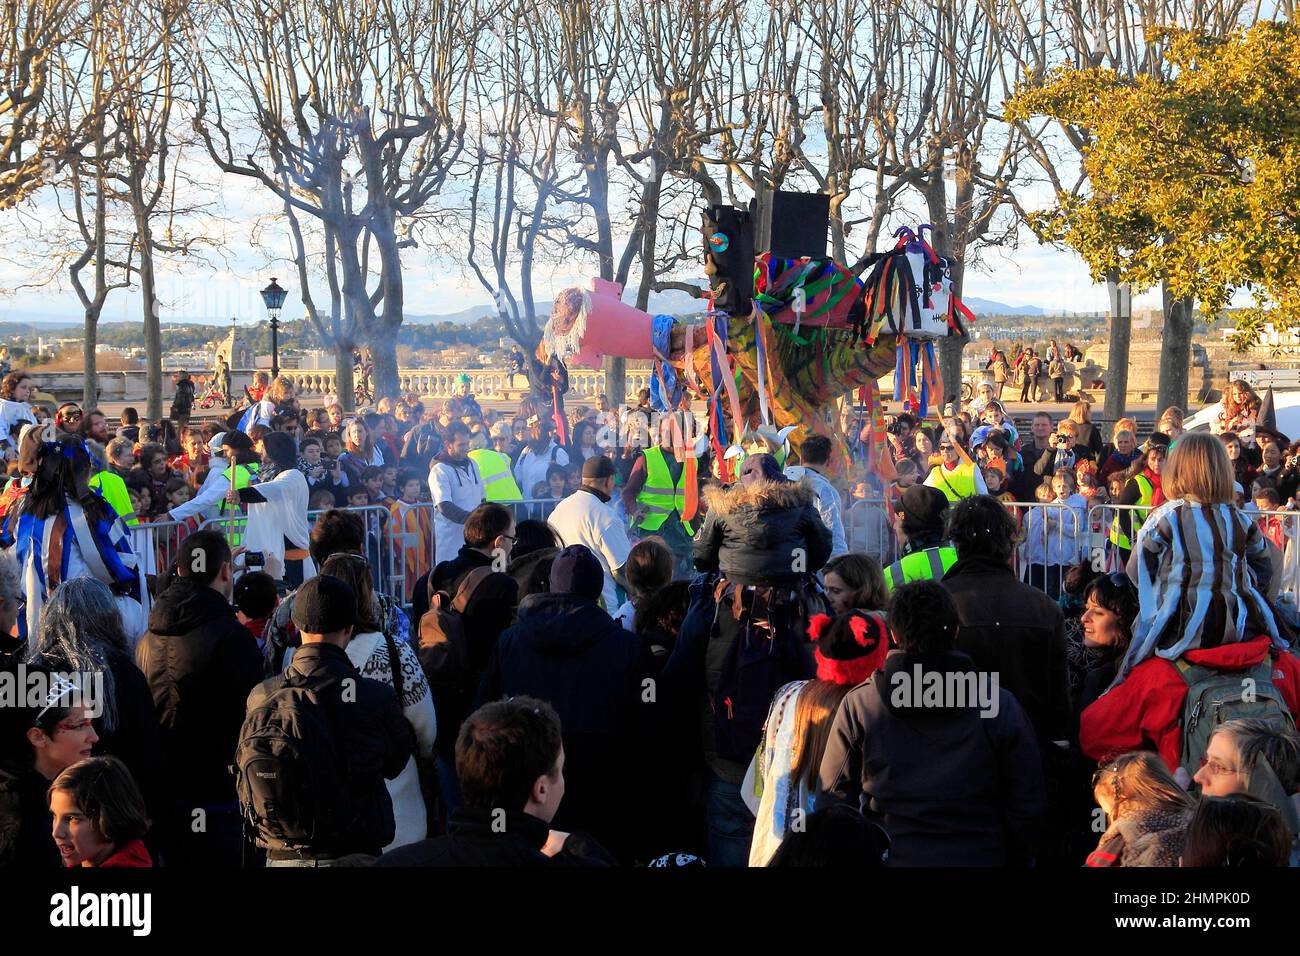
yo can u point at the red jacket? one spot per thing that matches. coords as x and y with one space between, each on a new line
133 854
1146 710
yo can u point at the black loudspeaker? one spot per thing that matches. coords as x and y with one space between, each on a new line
800 225
729 258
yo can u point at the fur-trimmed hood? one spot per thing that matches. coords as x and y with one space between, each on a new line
762 496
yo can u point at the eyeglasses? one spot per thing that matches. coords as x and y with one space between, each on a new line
1217 769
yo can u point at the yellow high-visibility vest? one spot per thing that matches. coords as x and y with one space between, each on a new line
494 468
928 565
241 476
659 498
956 484
1147 493
112 489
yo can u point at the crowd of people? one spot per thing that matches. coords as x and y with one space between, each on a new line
297 637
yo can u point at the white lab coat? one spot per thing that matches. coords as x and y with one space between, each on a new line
582 518
282 516
462 487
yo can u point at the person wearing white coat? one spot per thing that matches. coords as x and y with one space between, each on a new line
456 488
279 521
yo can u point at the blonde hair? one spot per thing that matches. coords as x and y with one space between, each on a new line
1140 778
1081 413
1068 426
1198 468
1174 414
1124 431
1125 425
282 389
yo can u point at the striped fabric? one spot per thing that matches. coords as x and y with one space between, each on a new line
48 553
1197 572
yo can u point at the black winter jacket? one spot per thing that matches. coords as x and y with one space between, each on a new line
473 840
1018 632
566 650
952 781
378 741
200 663
490 611
768 533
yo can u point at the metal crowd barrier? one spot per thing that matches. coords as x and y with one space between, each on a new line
1053 536
1280 528
869 529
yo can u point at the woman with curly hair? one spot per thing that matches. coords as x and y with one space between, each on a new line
1238 409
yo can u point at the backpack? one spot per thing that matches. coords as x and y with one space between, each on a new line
756 662
1215 696
444 645
291 774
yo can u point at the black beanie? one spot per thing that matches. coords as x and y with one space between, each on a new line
323 605
924 509
576 570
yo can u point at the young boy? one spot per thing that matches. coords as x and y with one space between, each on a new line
372 479
557 477
121 456
1273 527
391 491
995 478
411 531
322 499
1039 526
255 600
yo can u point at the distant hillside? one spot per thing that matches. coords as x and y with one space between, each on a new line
989 307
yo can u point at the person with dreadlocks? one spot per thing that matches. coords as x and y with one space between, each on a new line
61 529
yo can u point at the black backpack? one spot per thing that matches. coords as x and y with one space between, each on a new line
291 770
758 633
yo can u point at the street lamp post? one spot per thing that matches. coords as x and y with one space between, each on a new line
273 297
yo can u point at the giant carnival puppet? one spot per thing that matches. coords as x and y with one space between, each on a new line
789 331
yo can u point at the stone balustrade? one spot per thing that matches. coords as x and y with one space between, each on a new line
484 383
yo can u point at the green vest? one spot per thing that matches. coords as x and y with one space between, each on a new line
112 489
956 484
494 468
243 477
928 565
1147 493
658 496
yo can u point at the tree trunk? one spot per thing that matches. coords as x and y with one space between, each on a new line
90 389
1175 352
152 320
343 378
952 348
615 379
383 353
1121 329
